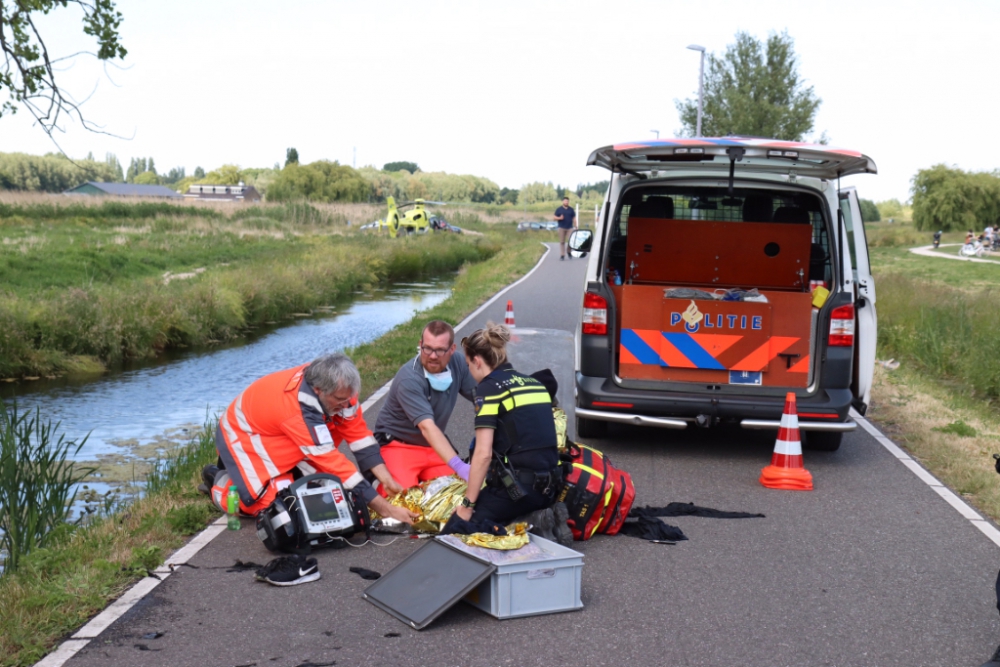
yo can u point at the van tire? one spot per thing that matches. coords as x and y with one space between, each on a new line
590 428
822 441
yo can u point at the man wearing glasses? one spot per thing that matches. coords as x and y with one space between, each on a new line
410 427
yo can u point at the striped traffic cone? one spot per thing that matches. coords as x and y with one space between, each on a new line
509 318
786 470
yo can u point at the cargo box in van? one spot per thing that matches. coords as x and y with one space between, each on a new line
724 273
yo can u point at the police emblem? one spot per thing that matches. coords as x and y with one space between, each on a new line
478 403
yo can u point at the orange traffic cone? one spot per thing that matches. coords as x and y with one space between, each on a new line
786 470
509 318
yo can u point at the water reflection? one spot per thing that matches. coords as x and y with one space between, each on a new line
135 408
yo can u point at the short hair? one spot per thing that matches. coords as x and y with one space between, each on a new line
332 372
565 198
438 327
489 343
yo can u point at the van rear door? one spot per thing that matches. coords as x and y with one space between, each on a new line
866 322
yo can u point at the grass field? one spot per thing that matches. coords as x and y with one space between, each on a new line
87 284
58 588
940 318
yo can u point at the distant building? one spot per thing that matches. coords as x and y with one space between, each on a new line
94 188
223 192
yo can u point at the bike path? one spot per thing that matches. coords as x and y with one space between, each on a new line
874 567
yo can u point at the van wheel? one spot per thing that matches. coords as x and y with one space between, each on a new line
590 428
822 441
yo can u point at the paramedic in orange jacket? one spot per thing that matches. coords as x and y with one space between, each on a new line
293 420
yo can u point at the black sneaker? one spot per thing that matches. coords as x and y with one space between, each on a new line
994 661
564 534
289 571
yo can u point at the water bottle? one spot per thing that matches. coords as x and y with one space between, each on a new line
233 509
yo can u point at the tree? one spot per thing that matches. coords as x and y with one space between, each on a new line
227 174
753 90
537 192
147 178
291 156
890 208
946 198
319 181
28 71
199 172
401 166
869 211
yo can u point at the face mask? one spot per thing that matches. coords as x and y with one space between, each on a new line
439 381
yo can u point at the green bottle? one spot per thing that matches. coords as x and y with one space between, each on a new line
233 507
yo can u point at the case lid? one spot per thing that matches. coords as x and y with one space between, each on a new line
427 583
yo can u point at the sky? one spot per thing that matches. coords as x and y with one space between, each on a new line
513 91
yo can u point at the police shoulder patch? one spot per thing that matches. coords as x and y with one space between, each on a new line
479 404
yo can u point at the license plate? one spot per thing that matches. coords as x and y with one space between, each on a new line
745 377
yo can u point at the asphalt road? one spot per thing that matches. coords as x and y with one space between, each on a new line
871 568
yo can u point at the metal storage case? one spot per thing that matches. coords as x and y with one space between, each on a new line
543 580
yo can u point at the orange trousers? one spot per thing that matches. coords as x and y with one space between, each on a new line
412 464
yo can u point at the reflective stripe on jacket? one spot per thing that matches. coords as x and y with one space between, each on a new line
278 423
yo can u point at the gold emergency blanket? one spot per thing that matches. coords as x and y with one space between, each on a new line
560 419
434 500
516 537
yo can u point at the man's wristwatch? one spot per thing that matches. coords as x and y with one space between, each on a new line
468 503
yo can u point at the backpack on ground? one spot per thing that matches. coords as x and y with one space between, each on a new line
597 495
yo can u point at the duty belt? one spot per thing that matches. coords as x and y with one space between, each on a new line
543 482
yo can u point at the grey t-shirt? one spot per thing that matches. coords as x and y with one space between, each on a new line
411 400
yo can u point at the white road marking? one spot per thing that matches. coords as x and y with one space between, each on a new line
116 609
930 480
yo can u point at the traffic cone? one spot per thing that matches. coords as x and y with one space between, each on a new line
786 470
509 318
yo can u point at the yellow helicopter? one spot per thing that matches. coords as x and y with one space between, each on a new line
414 221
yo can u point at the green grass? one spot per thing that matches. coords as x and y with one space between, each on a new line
59 587
85 292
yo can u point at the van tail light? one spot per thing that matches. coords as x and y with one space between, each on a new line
595 314
842 327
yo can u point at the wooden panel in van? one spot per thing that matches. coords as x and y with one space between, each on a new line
718 254
700 340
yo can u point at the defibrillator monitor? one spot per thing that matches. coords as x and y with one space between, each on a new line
324 509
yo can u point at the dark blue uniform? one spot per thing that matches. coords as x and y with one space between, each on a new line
519 409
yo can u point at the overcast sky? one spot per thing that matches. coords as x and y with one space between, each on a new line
514 91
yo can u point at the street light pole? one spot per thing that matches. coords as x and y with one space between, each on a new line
701 85
657 133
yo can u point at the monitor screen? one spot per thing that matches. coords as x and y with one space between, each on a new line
320 506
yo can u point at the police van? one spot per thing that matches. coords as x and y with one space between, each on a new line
723 274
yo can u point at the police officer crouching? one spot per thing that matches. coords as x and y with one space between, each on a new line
515 450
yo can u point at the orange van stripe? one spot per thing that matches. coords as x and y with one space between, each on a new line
716 344
802 366
626 357
762 356
650 337
670 354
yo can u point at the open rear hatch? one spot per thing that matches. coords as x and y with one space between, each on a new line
754 155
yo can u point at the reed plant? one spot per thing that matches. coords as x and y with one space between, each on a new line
947 331
38 480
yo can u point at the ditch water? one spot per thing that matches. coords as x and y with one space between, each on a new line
137 414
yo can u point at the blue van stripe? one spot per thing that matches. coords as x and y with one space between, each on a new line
639 349
692 350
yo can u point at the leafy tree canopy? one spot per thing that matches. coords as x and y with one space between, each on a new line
869 211
28 69
291 156
401 166
753 89
53 172
227 174
319 181
946 198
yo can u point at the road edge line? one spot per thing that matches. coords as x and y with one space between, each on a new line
95 626
79 639
963 508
